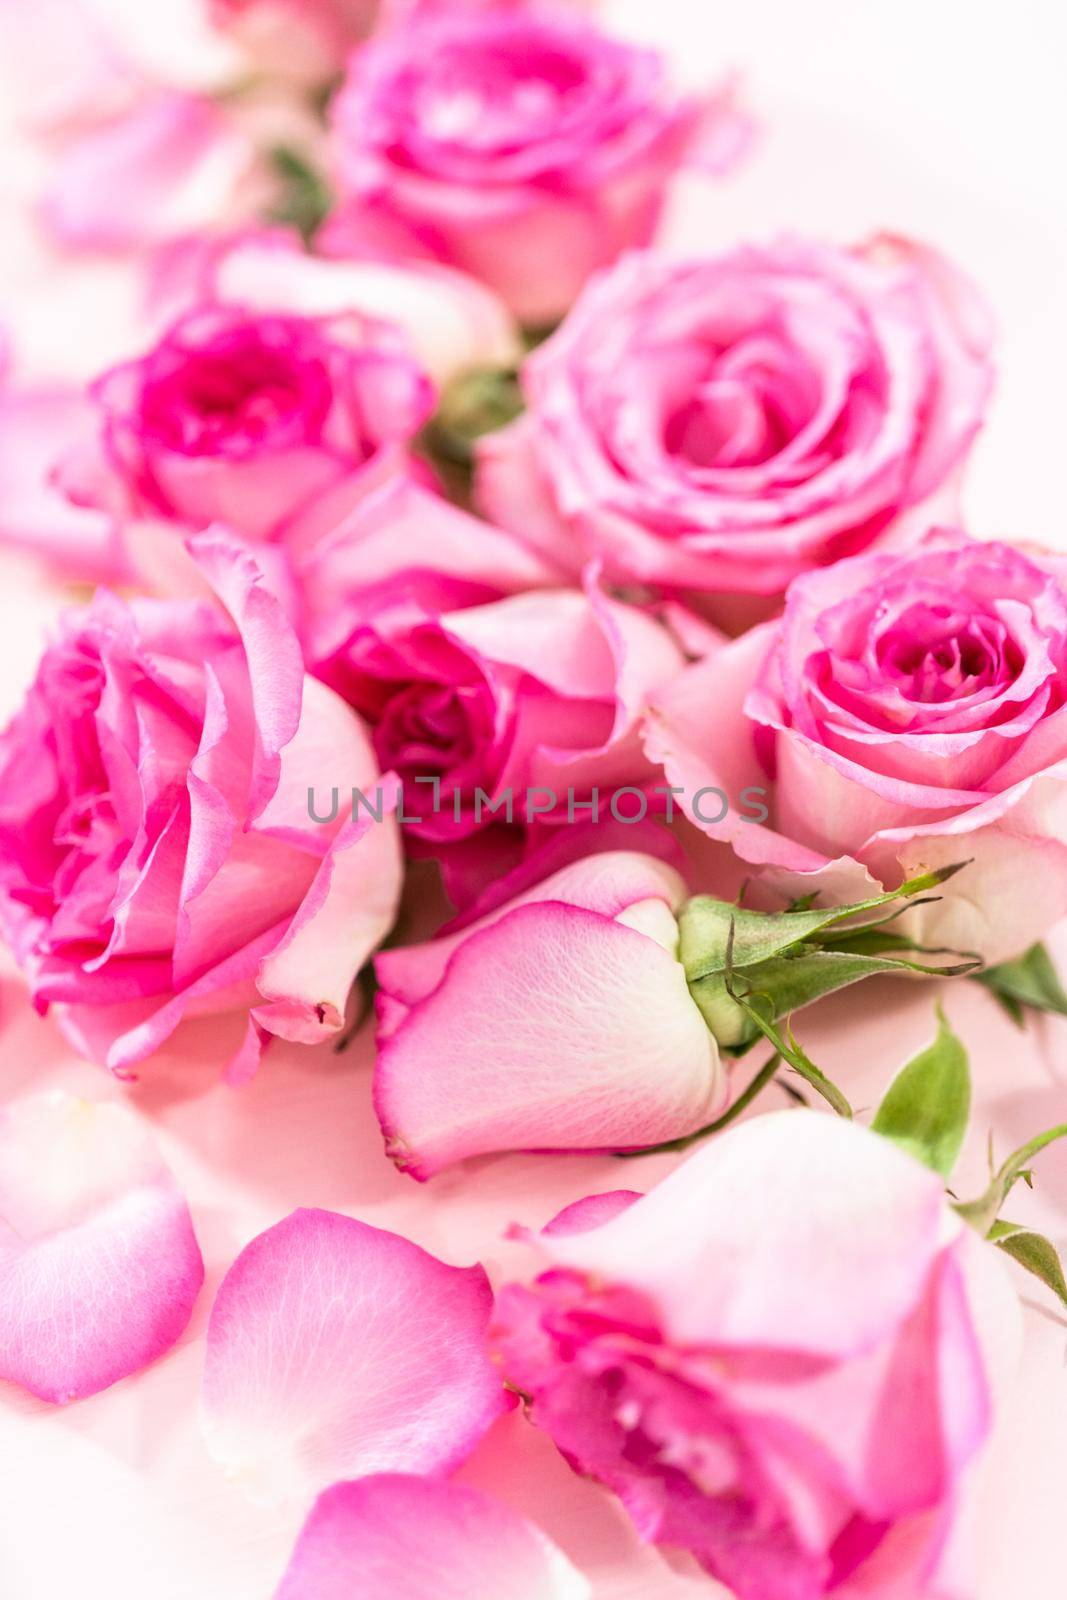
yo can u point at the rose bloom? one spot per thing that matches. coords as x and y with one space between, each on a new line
499 719
157 860
554 1015
524 146
723 424
448 320
282 369
786 1359
910 708
311 38
271 423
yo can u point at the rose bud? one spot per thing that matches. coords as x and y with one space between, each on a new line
591 1010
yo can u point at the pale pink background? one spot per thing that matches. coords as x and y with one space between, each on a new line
948 121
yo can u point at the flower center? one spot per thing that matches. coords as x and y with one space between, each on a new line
485 98
933 654
244 389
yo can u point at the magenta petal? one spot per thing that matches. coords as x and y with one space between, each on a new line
337 1349
99 1265
275 664
592 1212
393 1537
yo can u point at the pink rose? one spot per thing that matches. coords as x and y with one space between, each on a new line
271 423
522 145
723 424
258 282
171 164
403 555
450 321
310 38
502 721
157 859
911 710
784 1359
556 1016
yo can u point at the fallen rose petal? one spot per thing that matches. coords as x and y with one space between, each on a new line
337 1349
393 1535
99 1265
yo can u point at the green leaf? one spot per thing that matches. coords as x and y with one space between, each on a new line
1028 983
927 1105
1032 1251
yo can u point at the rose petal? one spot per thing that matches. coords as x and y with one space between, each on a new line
337 1349
346 913
592 1212
606 883
554 1028
163 168
452 322
713 1226
275 664
399 1536
99 1265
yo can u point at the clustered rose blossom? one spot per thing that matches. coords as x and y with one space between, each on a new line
271 424
276 390
311 38
520 144
158 861
910 709
723 424
732 1357
422 487
503 721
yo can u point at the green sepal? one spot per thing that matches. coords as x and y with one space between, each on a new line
791 1051
477 401
789 983
926 1107
305 200
983 1212
1032 1251
758 936
1030 983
